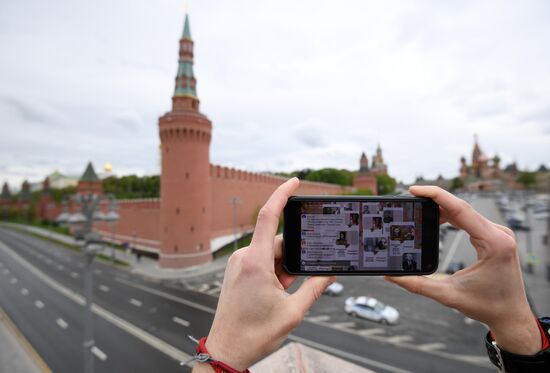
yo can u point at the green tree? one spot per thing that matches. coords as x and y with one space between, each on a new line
386 184
527 179
331 175
132 186
457 183
359 192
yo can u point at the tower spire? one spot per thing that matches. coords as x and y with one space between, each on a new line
185 94
186 28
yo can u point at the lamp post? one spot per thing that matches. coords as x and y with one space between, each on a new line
82 223
235 201
112 217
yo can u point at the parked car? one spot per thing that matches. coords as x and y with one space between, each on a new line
334 289
371 309
454 267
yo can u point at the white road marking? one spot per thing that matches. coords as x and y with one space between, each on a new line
318 318
213 291
168 296
373 331
74 275
60 267
344 325
131 329
183 322
39 304
98 353
136 302
13 281
452 249
399 339
203 287
432 346
347 355
104 288
24 291
62 323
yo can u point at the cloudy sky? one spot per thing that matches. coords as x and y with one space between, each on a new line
287 84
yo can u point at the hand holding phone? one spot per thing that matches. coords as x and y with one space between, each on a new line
361 235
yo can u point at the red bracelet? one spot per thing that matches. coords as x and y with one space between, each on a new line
545 341
204 356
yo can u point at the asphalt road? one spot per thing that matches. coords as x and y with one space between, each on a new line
141 326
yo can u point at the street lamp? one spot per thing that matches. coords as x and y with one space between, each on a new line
82 222
235 201
111 217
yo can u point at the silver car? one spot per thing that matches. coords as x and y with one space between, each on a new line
371 309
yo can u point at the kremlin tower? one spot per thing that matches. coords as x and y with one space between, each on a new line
185 133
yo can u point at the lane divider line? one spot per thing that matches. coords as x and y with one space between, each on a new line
62 323
182 322
128 327
98 353
136 302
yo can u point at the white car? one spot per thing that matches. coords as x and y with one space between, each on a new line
334 289
371 309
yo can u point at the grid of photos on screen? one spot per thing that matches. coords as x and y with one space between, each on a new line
330 236
391 235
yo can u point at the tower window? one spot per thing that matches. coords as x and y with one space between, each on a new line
192 229
178 211
187 175
176 248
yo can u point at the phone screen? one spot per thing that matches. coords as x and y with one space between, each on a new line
362 236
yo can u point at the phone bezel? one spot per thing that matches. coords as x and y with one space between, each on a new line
292 235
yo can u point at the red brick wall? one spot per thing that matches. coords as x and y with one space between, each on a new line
139 222
253 190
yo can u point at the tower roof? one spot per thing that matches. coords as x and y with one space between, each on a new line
185 78
6 194
25 193
89 174
186 29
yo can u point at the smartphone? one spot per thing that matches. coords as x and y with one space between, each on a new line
361 235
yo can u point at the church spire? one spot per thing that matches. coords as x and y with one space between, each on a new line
185 94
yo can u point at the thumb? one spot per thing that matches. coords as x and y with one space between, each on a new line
437 290
309 292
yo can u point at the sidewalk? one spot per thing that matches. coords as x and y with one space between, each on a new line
145 267
16 352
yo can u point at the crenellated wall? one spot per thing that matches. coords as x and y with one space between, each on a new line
252 190
139 223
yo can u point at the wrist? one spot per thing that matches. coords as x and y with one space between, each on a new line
202 368
518 335
220 352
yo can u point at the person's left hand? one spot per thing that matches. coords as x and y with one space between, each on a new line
255 313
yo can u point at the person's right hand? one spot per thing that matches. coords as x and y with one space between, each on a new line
492 289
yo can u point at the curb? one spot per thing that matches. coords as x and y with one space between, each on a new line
33 355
